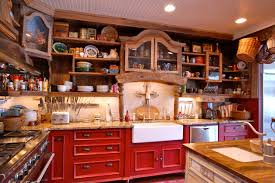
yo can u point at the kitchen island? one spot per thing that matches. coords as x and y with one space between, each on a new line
203 164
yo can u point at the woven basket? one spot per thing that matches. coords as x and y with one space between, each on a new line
271 45
248 49
242 115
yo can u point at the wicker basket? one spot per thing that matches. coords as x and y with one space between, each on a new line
248 49
271 44
242 115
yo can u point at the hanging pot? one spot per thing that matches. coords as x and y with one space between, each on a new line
271 45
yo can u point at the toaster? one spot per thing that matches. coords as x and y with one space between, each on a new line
60 118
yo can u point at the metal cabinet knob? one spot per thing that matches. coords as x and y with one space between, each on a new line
109 134
109 148
86 135
109 164
58 139
86 167
87 149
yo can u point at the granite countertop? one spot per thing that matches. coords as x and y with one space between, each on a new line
256 171
30 146
117 124
79 126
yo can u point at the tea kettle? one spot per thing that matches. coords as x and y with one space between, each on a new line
210 113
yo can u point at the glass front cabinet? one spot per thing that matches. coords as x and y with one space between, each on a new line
153 53
213 67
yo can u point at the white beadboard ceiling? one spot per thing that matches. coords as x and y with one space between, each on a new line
208 15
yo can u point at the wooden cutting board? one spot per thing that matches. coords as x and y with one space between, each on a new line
149 111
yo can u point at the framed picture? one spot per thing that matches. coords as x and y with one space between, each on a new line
207 47
196 48
37 33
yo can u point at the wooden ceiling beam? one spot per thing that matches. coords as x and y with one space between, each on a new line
73 15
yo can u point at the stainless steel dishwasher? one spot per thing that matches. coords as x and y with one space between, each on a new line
205 133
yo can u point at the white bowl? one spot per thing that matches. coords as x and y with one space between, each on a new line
83 64
61 88
68 83
85 88
102 88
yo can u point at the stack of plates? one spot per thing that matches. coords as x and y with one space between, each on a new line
85 88
102 88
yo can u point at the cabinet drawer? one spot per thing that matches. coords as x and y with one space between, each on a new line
239 137
96 169
82 150
97 135
234 128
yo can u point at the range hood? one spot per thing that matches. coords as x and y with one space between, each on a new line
13 53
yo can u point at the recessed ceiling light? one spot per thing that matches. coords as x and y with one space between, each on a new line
240 20
169 8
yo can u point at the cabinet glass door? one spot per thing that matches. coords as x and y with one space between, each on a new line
214 67
166 57
139 57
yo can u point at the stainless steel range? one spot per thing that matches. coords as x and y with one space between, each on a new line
24 156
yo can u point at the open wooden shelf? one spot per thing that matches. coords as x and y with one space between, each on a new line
234 80
214 67
97 59
237 71
192 95
82 94
62 54
91 74
196 78
193 54
166 60
86 41
137 57
33 93
193 65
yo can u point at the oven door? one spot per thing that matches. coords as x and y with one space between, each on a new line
38 171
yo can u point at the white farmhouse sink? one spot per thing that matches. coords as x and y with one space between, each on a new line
156 132
238 154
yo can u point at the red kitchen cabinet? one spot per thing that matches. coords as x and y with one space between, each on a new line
61 146
144 160
148 159
229 131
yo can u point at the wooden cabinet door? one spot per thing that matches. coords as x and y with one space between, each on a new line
145 160
60 145
139 55
171 157
167 57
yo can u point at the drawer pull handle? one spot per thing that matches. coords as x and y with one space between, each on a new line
86 166
86 135
58 139
161 158
109 134
87 149
109 164
235 138
109 148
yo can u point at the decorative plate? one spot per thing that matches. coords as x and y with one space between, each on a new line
241 65
110 33
90 51
60 47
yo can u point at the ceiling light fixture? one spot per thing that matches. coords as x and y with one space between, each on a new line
240 20
169 8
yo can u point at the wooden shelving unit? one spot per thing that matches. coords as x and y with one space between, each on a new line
91 74
97 59
234 80
197 78
193 65
166 60
86 41
193 95
82 94
193 54
62 54
237 71
214 67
